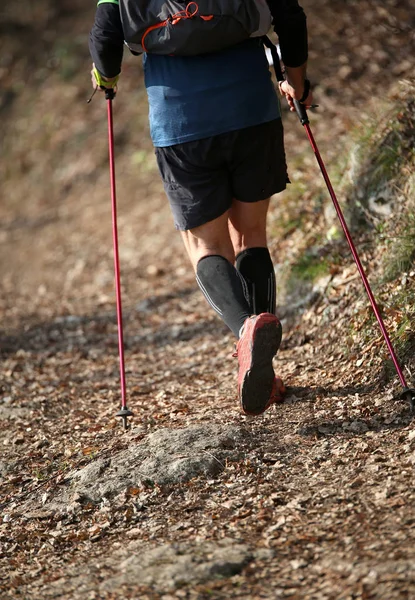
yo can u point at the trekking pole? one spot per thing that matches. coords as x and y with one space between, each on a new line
407 393
124 412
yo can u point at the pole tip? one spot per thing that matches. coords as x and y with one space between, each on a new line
124 413
409 395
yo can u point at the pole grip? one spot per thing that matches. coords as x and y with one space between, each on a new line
109 93
299 108
301 111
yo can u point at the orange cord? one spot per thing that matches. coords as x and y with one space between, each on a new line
185 14
191 11
162 24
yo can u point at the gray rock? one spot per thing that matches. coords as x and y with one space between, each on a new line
358 427
13 412
171 566
164 457
381 201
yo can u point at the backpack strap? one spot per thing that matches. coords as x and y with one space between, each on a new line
275 58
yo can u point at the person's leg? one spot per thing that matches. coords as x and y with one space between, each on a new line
247 227
198 182
258 170
211 253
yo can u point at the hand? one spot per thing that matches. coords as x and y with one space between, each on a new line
295 93
99 82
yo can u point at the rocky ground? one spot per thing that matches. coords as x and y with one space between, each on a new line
312 501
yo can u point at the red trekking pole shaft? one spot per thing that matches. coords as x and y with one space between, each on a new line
407 393
302 115
300 110
124 412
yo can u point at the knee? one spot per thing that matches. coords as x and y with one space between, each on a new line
248 224
253 229
225 250
198 246
252 236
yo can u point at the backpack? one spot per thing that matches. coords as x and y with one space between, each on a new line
188 28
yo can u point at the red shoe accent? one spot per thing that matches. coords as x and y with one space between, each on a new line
258 387
278 391
277 394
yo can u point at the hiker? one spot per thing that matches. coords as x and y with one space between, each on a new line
216 127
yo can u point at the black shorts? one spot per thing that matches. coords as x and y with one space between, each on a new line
201 178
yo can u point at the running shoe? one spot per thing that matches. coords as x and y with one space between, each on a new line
258 387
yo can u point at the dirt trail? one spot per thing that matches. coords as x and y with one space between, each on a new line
315 499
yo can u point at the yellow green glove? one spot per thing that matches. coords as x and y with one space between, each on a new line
103 83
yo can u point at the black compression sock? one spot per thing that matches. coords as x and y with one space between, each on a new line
255 266
223 288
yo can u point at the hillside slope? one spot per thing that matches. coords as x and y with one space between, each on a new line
314 500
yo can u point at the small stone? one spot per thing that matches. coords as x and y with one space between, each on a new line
358 427
41 444
264 554
153 270
370 578
134 533
298 564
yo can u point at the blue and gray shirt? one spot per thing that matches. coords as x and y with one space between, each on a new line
195 97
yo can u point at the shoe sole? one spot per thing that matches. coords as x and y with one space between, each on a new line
258 381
